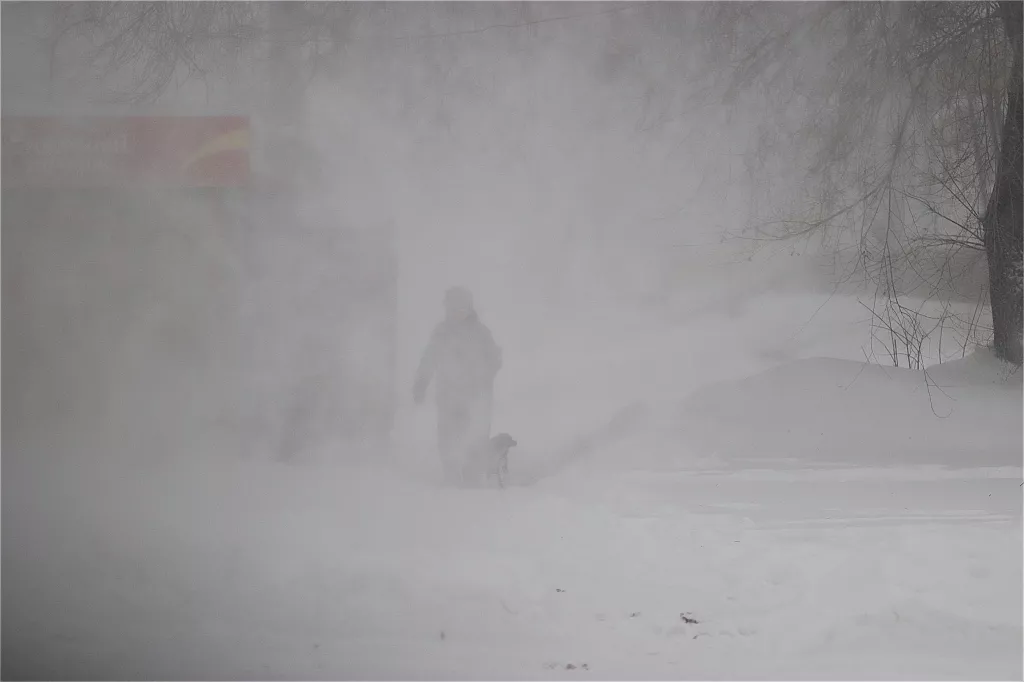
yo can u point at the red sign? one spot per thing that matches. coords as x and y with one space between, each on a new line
103 151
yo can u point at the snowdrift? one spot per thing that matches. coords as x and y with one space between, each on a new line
961 414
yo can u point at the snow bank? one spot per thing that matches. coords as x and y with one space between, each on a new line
963 414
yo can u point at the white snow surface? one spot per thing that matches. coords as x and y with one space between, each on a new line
685 506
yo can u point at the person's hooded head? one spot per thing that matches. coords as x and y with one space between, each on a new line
458 304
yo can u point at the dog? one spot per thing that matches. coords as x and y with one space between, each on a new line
489 464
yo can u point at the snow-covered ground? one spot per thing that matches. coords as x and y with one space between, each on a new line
686 506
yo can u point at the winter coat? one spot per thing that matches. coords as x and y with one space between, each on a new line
464 359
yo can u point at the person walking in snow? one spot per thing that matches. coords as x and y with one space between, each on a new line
464 359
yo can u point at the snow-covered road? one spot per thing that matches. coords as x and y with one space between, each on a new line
365 576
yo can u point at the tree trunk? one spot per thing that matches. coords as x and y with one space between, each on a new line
1004 216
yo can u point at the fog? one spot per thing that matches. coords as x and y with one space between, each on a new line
202 378
512 161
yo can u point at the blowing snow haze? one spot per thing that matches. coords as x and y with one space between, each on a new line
740 282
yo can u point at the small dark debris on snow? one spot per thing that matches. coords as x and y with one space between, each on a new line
634 614
570 666
585 666
442 635
685 617
559 589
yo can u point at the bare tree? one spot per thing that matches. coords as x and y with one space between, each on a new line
151 46
903 122
1004 214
